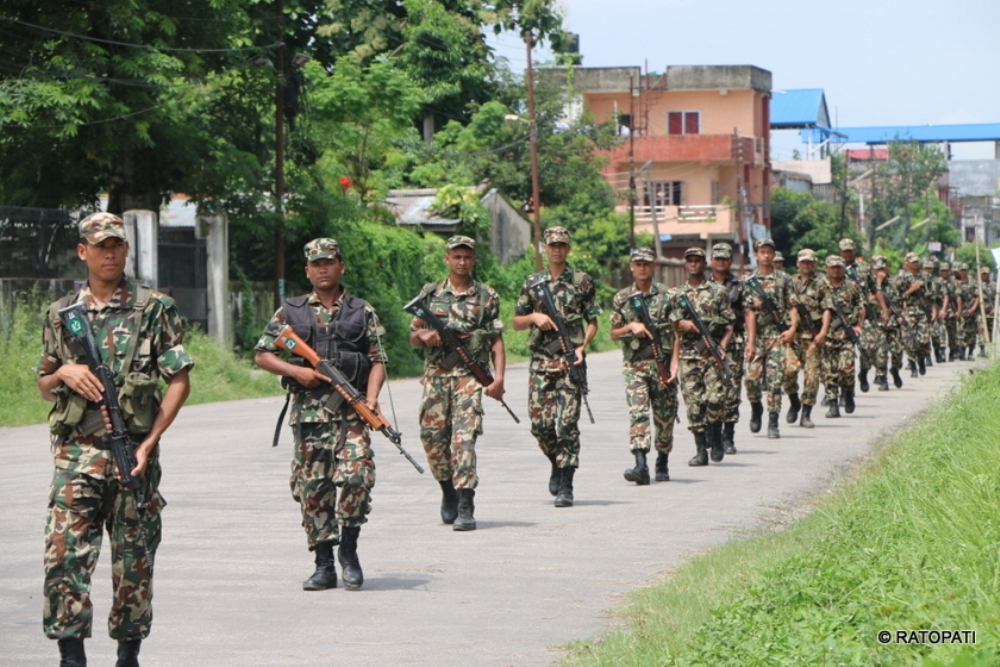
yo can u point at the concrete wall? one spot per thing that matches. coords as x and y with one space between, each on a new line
735 77
510 233
978 178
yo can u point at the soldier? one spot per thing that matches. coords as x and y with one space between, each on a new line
951 303
806 351
871 337
838 354
771 320
702 381
779 262
722 262
331 449
989 304
969 313
936 296
646 389
917 311
140 337
451 411
893 328
554 399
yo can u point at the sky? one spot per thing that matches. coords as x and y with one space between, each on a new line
880 62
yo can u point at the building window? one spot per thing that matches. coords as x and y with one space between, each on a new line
666 193
715 193
684 122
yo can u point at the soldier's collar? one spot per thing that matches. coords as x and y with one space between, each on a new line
120 298
652 288
446 286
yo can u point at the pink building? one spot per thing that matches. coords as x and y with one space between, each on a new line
697 149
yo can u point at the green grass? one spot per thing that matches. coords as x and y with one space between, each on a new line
911 543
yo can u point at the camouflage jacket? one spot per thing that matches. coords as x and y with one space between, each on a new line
916 304
711 301
735 290
159 353
659 302
969 293
778 286
989 296
890 288
576 299
848 296
474 315
812 294
949 287
307 407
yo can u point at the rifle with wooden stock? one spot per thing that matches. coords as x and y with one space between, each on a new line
638 302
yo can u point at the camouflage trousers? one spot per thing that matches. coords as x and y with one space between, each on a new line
872 341
704 392
644 394
803 356
320 466
890 355
951 324
939 335
734 356
970 328
917 342
554 410
838 367
451 417
80 508
766 371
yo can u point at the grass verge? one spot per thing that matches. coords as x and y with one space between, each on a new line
912 544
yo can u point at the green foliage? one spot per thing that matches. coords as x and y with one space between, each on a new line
799 220
967 253
904 186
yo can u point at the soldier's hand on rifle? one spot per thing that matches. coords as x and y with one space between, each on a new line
496 389
543 321
857 330
787 336
579 354
748 353
687 326
819 340
429 337
79 378
308 377
372 404
142 458
639 330
885 318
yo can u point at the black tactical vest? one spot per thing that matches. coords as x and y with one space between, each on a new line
344 342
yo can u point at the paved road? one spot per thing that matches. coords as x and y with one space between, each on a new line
531 578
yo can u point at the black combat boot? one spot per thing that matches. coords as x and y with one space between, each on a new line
896 380
701 444
928 362
842 399
863 381
921 366
565 496
729 437
554 475
772 426
662 473
756 412
971 356
718 450
913 369
939 355
128 653
806 420
833 410
71 653
960 354
849 400
466 507
826 400
882 382
348 555
982 352
325 575
640 473
449 501
794 405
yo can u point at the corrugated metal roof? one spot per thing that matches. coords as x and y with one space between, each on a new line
921 133
411 207
804 107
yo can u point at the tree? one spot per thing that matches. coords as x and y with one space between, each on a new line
799 220
901 183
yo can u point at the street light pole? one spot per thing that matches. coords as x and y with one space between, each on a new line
536 206
279 163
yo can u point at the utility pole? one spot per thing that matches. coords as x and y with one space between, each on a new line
536 203
631 163
279 163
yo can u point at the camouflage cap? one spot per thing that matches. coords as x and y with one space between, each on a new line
642 255
99 226
911 257
961 266
762 242
835 260
322 248
456 241
846 244
944 266
928 264
556 235
880 262
806 255
722 251
984 269
694 252
778 257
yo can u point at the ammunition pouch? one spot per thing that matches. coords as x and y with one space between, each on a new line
140 400
67 412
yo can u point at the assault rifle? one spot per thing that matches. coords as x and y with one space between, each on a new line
770 308
288 340
642 310
806 319
851 333
852 273
457 351
893 309
75 320
577 371
706 335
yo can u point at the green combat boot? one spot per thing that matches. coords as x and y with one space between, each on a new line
640 473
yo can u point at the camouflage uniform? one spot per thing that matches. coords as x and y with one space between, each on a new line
554 400
890 356
872 339
838 352
702 382
737 346
970 323
935 294
331 450
802 354
86 494
989 302
768 363
915 309
451 410
643 390
950 287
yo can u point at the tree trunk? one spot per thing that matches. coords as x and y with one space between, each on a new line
135 183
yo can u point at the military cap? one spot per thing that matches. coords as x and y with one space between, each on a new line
880 262
807 255
928 264
556 235
322 248
762 242
846 244
778 257
695 251
99 226
984 269
456 241
911 257
834 260
722 251
961 266
642 255
944 266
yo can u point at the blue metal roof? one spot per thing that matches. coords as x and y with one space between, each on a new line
805 107
921 133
